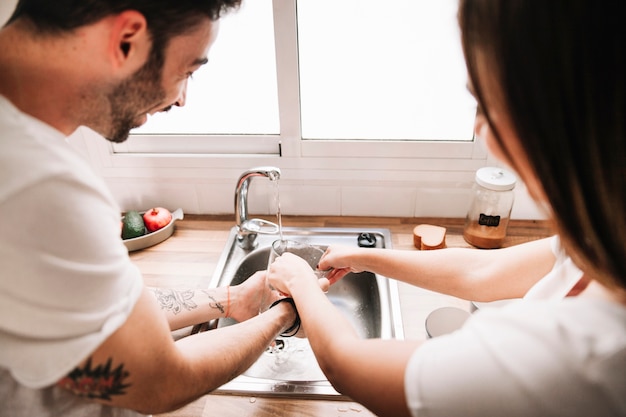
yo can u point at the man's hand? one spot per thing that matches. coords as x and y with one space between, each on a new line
251 297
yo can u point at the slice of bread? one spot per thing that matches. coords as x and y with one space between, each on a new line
428 237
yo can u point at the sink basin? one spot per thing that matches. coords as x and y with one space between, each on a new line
289 368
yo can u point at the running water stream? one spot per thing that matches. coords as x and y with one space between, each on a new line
279 218
290 358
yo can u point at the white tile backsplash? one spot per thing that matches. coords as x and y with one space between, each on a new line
383 201
216 197
302 198
442 202
142 194
310 200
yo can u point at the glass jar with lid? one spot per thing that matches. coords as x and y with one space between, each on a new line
490 208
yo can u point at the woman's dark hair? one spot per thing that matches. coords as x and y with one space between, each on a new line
166 18
561 68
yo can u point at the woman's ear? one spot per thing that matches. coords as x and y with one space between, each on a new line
130 43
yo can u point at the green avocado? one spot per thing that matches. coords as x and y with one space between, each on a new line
132 225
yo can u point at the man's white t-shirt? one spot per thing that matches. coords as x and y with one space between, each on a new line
534 357
67 282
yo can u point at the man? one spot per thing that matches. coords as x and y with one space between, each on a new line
79 333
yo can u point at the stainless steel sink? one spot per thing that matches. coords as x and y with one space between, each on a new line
289 368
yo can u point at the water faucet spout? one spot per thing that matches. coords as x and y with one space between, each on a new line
247 229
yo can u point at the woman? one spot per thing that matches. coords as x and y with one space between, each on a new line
550 80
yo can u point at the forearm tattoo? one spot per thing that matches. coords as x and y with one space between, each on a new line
215 303
175 301
100 382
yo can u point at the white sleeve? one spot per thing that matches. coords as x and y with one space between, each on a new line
557 283
67 281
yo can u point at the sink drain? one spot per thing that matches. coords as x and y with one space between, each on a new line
287 360
276 347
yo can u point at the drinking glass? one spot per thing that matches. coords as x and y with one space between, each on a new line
310 253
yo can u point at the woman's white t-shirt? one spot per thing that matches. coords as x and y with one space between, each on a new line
533 357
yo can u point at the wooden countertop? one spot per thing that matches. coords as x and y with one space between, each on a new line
190 256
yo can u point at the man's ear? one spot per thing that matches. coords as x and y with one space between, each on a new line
129 44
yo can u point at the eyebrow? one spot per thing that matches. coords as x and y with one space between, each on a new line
199 61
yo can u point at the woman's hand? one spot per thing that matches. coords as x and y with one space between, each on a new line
289 271
340 259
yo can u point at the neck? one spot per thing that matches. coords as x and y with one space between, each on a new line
599 291
39 76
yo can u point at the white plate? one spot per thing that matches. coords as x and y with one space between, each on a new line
153 238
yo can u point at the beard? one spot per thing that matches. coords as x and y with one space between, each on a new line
142 90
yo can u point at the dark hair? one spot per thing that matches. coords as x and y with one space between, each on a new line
166 18
561 68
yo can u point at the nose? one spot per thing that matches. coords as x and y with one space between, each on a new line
480 126
182 96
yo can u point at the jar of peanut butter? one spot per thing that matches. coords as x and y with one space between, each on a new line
490 208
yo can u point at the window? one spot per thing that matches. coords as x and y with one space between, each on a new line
390 71
313 78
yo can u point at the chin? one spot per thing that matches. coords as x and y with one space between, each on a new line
140 121
118 137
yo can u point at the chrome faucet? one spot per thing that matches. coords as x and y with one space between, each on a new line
247 229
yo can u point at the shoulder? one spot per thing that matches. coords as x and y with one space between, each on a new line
518 357
571 330
32 152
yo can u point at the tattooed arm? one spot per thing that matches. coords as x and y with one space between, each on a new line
186 307
141 359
